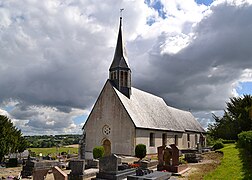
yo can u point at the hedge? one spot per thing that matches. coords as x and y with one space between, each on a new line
98 152
228 141
218 145
245 140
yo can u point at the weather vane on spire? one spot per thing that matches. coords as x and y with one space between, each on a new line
121 12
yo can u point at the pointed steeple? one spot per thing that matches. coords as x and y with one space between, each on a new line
119 71
120 57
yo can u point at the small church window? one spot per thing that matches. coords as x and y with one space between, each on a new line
176 140
152 139
164 139
188 140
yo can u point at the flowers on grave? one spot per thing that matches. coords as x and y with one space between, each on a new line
134 165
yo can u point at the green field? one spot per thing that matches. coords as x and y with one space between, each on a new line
53 151
234 165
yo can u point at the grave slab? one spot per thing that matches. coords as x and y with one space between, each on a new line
152 176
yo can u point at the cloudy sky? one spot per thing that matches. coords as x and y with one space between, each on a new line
55 55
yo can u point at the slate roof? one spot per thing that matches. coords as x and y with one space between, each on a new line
149 111
120 57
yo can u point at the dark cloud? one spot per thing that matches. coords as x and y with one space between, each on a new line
201 76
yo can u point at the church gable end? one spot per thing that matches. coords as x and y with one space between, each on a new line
109 122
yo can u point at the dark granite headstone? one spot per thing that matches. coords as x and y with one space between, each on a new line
77 169
161 155
108 169
175 155
92 163
193 157
109 164
28 168
171 167
167 156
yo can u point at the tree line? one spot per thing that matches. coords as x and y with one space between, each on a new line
236 119
11 139
47 141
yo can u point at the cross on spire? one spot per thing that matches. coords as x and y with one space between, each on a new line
121 12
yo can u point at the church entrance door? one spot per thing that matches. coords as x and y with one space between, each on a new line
107 147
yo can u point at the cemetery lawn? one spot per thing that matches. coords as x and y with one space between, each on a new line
53 151
231 166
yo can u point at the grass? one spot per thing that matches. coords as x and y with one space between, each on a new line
53 151
231 167
234 165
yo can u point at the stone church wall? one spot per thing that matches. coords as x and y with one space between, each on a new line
108 120
143 137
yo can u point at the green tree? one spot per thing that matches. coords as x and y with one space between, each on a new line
237 118
11 139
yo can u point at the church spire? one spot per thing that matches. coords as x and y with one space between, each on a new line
120 57
119 71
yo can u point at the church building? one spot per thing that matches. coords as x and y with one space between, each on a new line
124 116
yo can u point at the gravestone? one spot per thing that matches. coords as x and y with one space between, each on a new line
92 163
175 155
108 169
161 155
34 168
109 164
193 157
169 159
58 174
39 174
28 168
77 169
167 156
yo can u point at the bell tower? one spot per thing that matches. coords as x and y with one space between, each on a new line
119 71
